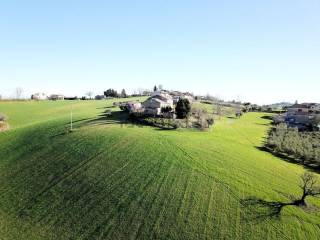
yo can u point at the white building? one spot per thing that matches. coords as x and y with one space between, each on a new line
56 97
315 107
39 96
158 100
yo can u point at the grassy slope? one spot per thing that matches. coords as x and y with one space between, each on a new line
109 181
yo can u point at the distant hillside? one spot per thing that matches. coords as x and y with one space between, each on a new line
279 105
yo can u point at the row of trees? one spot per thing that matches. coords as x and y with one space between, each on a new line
114 94
138 92
302 146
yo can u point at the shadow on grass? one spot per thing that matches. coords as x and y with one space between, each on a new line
79 120
46 179
165 129
107 107
66 129
307 165
258 210
60 134
108 117
267 117
263 124
123 118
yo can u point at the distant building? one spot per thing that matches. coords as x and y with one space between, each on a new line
302 116
39 96
298 109
55 97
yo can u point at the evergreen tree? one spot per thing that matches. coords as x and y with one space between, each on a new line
183 108
111 93
123 93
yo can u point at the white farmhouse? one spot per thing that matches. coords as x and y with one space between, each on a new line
158 100
39 96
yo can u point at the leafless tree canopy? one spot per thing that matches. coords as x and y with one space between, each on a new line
89 94
18 92
218 108
309 187
309 184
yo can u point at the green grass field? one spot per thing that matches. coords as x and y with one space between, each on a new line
110 179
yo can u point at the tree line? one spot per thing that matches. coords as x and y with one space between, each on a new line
114 94
304 147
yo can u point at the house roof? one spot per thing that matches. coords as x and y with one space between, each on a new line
157 100
299 106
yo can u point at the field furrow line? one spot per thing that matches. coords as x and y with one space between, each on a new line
208 211
151 205
235 196
125 198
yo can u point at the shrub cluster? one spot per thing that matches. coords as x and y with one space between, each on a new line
203 120
163 123
2 117
303 146
3 124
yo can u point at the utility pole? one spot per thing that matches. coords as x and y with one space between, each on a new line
71 115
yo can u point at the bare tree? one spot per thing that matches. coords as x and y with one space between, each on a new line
89 94
218 106
18 92
140 91
309 187
237 106
209 97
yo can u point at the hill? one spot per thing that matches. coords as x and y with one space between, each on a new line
110 179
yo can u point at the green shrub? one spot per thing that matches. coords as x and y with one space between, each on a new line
183 108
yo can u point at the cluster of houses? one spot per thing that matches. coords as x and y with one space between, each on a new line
302 116
158 101
54 97
43 96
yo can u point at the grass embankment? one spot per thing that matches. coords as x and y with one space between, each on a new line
112 180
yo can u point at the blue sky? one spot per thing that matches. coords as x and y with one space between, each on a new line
259 51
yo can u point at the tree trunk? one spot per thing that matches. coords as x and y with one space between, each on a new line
301 202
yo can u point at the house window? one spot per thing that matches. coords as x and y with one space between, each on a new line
299 110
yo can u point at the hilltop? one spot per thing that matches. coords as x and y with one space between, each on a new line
111 179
